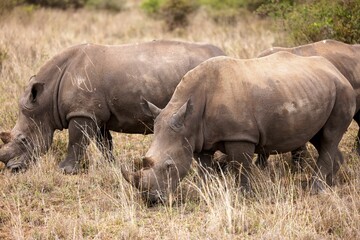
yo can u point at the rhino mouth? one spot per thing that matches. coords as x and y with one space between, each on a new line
17 165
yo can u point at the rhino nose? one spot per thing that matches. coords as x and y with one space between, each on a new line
16 167
21 138
147 162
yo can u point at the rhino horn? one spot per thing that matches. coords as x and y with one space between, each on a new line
131 177
5 137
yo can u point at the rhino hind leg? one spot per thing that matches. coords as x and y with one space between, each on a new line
357 140
240 156
338 161
326 142
81 130
104 143
324 171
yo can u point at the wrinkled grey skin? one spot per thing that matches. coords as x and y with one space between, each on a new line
242 107
92 89
345 57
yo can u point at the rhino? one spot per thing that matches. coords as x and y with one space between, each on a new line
93 89
346 58
246 106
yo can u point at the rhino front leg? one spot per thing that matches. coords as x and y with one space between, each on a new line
297 157
240 156
104 143
81 130
261 160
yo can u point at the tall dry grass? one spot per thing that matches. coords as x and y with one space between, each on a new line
42 203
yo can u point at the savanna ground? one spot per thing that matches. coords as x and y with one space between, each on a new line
42 203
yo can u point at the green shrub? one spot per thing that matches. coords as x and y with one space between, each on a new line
112 5
228 11
6 5
175 12
251 5
63 4
316 20
223 4
151 6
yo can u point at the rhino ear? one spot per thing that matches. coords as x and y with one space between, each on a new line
36 90
178 119
148 108
32 77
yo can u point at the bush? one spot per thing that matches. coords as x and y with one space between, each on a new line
112 5
174 12
222 4
63 4
251 5
6 5
151 6
316 20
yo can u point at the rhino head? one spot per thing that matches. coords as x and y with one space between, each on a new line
169 157
33 130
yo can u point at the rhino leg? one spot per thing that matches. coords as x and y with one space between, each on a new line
81 130
297 157
326 142
339 160
210 163
324 165
261 160
205 162
104 143
240 156
357 140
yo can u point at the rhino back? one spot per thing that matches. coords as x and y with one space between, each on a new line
345 57
107 81
268 101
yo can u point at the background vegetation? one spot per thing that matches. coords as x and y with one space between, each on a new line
42 203
309 21
304 21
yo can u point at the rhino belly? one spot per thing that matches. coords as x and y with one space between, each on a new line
288 127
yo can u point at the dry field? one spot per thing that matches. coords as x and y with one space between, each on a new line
42 203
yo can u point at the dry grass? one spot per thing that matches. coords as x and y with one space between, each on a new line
42 203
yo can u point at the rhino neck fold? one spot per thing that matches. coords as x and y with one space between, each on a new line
59 122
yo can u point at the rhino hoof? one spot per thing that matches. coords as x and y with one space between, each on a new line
68 168
317 186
